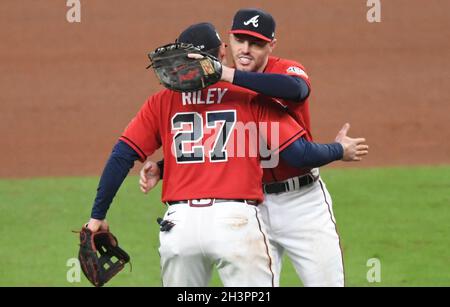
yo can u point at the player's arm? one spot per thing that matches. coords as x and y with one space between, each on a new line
139 140
303 153
281 86
116 170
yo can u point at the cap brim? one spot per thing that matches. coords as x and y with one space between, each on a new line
251 33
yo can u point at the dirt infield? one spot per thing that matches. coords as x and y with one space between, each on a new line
67 90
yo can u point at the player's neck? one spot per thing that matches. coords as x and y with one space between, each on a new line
264 66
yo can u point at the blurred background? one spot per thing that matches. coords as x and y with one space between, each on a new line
67 91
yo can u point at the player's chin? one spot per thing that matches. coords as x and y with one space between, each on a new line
248 68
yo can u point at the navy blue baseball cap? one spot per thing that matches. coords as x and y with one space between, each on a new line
254 22
202 35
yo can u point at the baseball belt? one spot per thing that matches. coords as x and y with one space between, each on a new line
210 202
291 184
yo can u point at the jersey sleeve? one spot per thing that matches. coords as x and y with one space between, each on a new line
143 132
278 128
295 69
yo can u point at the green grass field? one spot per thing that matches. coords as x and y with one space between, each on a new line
398 215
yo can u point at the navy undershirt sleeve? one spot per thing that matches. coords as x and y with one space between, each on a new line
302 153
273 85
116 169
161 169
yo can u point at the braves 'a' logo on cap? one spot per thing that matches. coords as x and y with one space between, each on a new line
253 21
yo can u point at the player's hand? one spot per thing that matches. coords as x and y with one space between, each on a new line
95 225
354 148
227 72
149 176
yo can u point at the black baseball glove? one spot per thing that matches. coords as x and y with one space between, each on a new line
100 256
176 71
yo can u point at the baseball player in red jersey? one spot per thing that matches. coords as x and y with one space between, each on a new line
297 207
212 218
216 220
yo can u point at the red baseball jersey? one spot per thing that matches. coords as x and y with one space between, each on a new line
210 139
299 111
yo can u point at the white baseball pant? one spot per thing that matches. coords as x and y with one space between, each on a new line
230 236
302 224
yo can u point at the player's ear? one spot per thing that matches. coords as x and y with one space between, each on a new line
273 44
222 51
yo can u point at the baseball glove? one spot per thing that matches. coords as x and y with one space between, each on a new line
176 71
100 256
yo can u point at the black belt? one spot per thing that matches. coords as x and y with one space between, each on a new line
192 202
289 185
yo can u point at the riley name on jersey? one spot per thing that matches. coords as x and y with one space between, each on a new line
212 95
